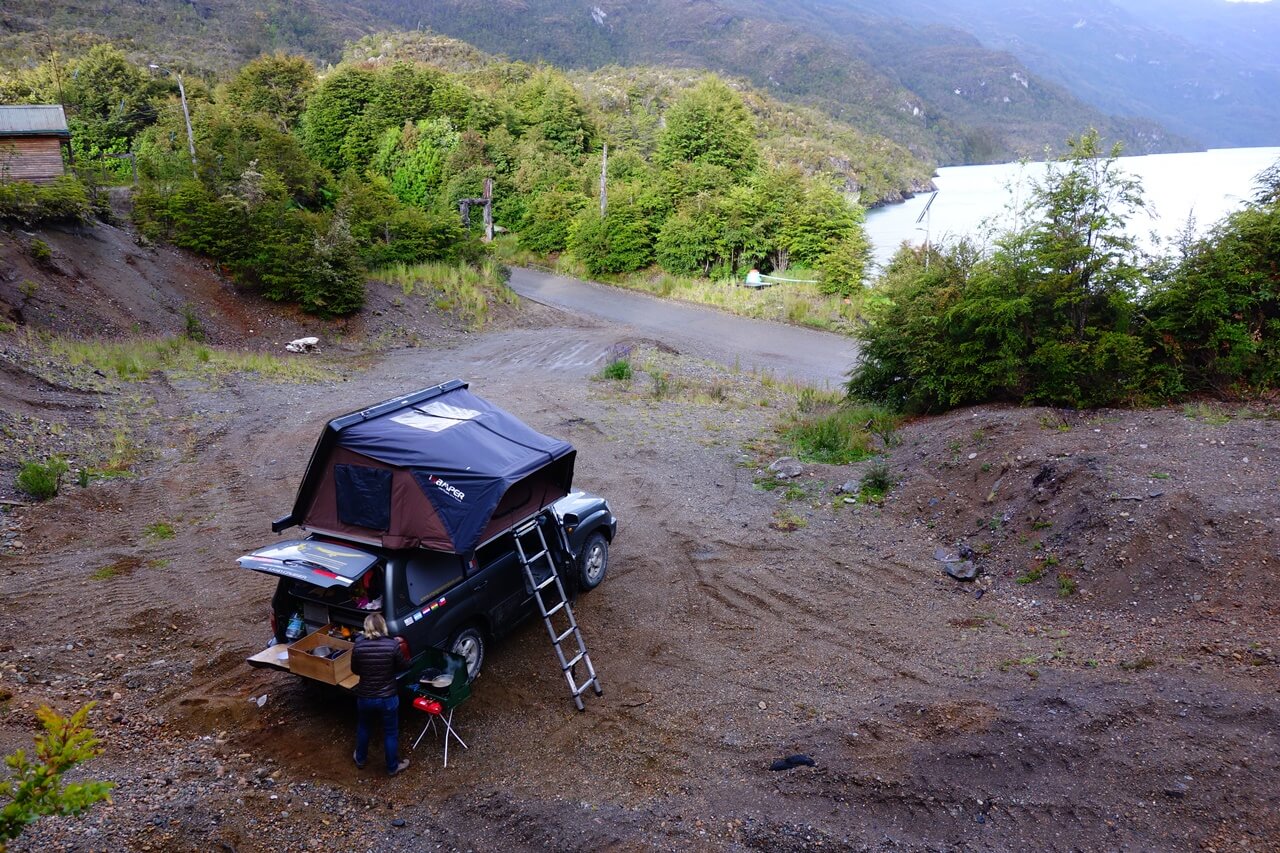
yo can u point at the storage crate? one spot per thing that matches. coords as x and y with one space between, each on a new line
329 670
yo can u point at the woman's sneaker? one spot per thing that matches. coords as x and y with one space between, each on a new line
404 763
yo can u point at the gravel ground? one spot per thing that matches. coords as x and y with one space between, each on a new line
739 625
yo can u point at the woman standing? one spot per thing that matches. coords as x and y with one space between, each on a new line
377 658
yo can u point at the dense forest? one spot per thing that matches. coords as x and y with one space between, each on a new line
301 184
933 88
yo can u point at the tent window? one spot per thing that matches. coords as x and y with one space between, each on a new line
364 496
430 573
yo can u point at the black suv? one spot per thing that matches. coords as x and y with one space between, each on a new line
430 598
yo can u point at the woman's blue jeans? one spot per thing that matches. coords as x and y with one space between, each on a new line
388 711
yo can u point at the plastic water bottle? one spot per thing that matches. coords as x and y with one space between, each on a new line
294 630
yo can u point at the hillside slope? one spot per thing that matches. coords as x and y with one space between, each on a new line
931 88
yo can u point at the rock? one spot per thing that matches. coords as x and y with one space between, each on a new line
398 822
786 468
960 566
1176 791
303 345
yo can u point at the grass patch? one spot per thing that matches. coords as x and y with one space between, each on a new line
840 435
119 568
1209 413
1031 575
1138 664
787 521
1067 585
619 370
41 480
876 483
1055 421
461 289
1159 475
159 530
138 359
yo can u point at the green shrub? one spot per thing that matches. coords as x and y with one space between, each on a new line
619 369
875 484
35 788
41 480
1215 321
1048 316
64 200
40 252
833 438
621 241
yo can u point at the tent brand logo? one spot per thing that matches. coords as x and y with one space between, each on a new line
450 490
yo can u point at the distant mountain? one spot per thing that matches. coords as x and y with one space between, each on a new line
1205 69
932 87
956 81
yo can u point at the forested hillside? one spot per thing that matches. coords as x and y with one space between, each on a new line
934 89
303 184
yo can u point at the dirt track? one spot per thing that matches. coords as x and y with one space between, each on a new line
938 719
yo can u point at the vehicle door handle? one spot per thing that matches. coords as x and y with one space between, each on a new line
481 585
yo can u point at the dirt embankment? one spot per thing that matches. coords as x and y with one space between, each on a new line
1108 682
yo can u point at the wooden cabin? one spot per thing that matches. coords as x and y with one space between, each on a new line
31 142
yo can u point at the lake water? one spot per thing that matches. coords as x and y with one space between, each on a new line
1206 185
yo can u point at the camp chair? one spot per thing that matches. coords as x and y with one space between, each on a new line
438 703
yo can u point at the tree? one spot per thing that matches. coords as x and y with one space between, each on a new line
35 788
620 241
276 85
1216 318
548 220
337 105
710 124
553 114
1048 317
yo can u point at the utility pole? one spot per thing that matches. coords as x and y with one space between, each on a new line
186 116
604 172
488 210
927 216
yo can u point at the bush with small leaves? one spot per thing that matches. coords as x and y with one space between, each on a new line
35 787
41 480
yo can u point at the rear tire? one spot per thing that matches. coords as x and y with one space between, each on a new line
593 561
468 644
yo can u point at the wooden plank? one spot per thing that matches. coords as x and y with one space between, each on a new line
270 657
33 159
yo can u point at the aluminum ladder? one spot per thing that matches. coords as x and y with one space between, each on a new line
543 578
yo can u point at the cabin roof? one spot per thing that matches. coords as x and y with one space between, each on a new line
33 120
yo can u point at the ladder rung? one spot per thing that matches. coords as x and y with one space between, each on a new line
567 634
538 556
571 664
553 611
546 583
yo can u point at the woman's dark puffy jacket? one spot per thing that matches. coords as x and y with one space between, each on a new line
377 661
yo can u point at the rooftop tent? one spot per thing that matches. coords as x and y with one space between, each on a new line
440 468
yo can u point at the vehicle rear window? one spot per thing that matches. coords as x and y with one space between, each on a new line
363 496
429 573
